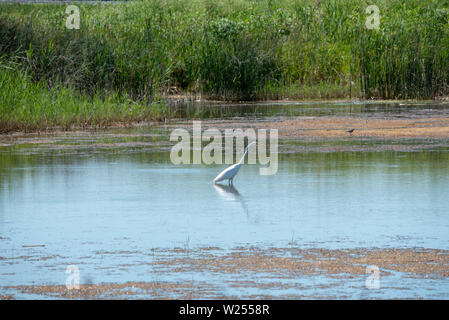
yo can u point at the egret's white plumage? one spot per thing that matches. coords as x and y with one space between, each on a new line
229 173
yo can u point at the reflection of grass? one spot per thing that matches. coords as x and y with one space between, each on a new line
315 91
292 240
187 245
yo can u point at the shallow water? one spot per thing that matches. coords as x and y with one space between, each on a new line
105 209
318 108
382 198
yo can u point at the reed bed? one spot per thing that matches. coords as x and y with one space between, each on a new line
223 49
29 106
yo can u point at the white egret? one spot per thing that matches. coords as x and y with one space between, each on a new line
230 173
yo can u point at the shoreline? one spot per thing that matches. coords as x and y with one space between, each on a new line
296 135
184 99
392 126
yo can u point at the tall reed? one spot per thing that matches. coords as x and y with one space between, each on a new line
233 49
27 105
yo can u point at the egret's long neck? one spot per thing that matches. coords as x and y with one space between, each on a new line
244 155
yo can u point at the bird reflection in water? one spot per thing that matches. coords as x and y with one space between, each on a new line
230 193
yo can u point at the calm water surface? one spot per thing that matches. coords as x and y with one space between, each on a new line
83 205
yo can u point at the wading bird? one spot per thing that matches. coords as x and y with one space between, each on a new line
231 172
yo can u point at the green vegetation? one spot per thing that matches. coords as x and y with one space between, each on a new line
131 54
30 106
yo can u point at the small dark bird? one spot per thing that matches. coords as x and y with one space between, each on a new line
350 131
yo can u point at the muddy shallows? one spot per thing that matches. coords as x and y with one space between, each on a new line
286 273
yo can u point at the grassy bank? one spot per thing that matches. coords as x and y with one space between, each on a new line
229 49
27 105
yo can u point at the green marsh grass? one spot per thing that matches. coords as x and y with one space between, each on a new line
28 105
224 49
